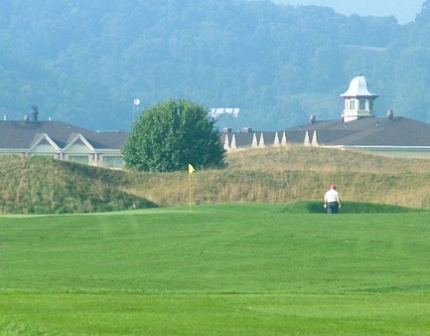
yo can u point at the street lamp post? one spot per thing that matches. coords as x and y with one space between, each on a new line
136 103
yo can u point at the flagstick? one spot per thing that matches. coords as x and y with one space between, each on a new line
189 190
190 172
0 256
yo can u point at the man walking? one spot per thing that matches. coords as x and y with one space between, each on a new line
332 200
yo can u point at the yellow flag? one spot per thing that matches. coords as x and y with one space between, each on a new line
190 169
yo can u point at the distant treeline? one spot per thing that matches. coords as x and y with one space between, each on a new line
85 62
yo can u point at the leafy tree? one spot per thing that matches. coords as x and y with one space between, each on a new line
168 136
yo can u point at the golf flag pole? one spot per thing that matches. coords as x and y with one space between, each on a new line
190 172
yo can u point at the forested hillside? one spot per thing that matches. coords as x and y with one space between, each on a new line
84 62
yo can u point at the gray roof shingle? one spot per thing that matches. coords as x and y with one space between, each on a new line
369 131
21 135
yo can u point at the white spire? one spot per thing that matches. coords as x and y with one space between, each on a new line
307 140
261 142
226 144
315 139
276 142
233 142
284 139
254 141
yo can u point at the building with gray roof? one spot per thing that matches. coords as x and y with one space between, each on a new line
61 141
358 128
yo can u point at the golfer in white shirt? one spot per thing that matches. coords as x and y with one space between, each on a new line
332 200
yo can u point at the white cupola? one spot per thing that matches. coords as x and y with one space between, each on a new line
358 100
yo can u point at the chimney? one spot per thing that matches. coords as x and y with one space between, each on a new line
226 130
390 114
247 130
313 119
34 113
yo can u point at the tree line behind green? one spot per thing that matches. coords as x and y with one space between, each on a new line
85 62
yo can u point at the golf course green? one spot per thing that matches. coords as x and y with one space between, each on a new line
227 269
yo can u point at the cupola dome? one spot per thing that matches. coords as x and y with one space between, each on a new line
358 100
358 88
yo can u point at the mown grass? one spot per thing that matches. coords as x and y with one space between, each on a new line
233 269
348 207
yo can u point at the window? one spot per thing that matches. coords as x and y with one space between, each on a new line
55 156
78 158
352 104
362 104
112 161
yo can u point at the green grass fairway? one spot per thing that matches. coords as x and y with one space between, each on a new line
249 269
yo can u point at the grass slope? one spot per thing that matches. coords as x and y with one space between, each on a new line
257 269
291 174
40 185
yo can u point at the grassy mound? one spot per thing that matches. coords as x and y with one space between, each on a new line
41 185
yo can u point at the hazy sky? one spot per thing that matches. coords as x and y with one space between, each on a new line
404 10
